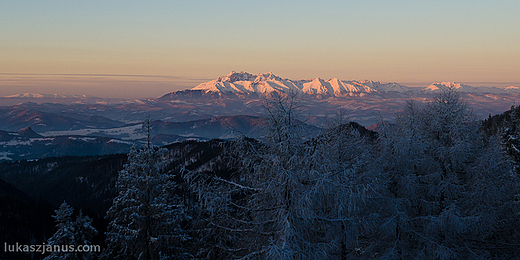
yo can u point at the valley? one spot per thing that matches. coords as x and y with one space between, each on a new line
224 108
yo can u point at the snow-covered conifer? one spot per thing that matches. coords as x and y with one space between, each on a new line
448 187
145 218
77 233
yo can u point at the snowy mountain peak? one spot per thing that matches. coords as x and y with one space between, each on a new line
435 86
243 83
234 76
246 83
267 76
440 86
25 95
238 76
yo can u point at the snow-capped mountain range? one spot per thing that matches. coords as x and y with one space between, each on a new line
246 83
239 93
437 86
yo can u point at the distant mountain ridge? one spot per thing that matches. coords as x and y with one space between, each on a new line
38 95
41 98
439 86
15 118
244 83
240 93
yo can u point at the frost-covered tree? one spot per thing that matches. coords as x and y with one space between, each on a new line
345 190
290 197
449 188
78 232
432 186
511 134
145 218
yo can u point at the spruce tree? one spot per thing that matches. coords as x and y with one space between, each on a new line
77 233
145 218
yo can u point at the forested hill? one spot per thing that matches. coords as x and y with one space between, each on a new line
502 122
23 219
84 182
88 181
507 127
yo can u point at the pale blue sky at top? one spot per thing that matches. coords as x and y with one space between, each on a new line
187 42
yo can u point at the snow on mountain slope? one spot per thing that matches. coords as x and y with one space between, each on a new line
438 86
246 83
25 95
512 89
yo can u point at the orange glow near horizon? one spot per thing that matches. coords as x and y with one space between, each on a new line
144 50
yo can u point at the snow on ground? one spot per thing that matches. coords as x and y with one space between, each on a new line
131 132
119 141
4 156
16 142
84 139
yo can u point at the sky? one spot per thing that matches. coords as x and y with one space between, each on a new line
143 49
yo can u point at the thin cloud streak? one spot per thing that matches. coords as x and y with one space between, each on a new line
95 75
103 85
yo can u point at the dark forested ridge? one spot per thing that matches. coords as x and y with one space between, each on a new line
498 123
437 184
22 219
506 126
21 116
33 148
82 181
86 183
